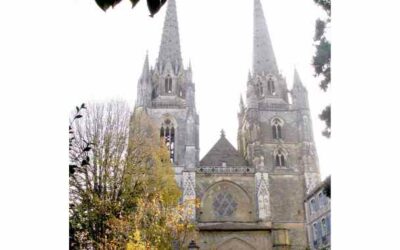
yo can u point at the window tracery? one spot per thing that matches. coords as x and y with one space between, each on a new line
168 84
312 206
271 86
260 88
277 128
315 232
324 227
224 204
280 160
167 134
154 93
181 92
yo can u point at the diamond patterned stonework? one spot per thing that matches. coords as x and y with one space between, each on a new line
224 205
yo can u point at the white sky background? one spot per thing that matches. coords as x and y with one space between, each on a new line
107 52
56 54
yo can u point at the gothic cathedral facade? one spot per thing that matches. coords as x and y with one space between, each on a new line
253 197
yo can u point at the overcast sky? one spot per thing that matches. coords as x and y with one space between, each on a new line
106 53
56 54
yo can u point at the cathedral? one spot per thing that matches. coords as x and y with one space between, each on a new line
251 197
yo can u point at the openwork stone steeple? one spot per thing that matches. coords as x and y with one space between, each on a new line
166 92
170 50
299 92
263 54
143 90
296 79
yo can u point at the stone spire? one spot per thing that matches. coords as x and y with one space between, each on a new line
296 79
170 50
143 85
299 92
263 54
146 69
241 104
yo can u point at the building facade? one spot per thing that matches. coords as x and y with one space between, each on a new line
318 214
167 94
253 197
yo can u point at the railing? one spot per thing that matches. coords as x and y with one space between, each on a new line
225 170
168 105
276 106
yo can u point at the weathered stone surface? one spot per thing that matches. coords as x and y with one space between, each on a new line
223 154
235 240
214 190
250 198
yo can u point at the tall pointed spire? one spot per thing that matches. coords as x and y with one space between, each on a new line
296 78
170 49
241 103
146 69
299 92
263 54
297 83
143 84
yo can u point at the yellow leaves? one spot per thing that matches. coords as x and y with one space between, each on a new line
136 243
131 199
158 224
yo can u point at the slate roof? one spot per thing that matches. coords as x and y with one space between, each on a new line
223 151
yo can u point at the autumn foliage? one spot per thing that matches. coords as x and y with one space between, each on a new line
126 196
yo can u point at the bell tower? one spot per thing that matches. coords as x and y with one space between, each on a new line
275 137
167 94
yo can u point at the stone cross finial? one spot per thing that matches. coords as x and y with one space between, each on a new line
222 133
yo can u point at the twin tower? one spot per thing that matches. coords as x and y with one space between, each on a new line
253 197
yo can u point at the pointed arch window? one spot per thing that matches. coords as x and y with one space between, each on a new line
324 227
315 234
312 206
321 199
271 86
181 93
154 93
167 134
168 84
280 160
277 128
162 132
260 88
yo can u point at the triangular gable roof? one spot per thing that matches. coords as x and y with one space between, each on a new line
223 151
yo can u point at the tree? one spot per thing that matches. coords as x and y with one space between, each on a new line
153 5
74 154
322 59
158 218
125 194
95 186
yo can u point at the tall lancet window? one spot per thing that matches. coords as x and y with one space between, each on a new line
277 129
271 86
167 134
280 159
154 93
181 93
260 88
168 84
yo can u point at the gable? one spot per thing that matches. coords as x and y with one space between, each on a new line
223 152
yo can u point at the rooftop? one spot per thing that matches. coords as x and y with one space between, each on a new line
223 153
